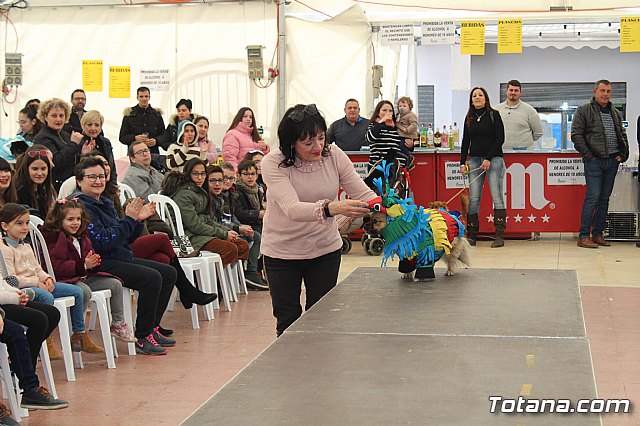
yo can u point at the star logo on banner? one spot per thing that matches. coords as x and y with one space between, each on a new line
546 218
490 218
518 218
532 218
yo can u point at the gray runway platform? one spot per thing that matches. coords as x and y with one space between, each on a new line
378 350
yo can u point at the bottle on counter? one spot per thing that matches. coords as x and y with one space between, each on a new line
430 136
456 135
452 145
437 138
445 136
423 136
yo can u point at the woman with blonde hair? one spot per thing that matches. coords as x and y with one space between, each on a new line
91 123
66 149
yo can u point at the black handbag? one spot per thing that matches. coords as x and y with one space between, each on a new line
182 246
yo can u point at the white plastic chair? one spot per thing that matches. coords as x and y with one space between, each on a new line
10 387
126 192
169 211
64 305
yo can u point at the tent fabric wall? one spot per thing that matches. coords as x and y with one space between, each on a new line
204 47
329 62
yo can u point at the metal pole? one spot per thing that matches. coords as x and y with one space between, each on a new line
282 74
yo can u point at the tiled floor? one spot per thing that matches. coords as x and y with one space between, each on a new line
165 390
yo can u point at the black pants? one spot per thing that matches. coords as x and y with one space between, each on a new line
285 284
154 282
40 320
20 355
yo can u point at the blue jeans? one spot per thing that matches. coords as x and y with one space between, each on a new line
16 340
600 174
63 290
495 175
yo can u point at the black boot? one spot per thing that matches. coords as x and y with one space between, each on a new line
500 223
472 228
188 293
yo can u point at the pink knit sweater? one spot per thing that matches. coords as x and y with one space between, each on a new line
237 142
22 263
291 228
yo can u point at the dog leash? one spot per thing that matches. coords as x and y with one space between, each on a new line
465 183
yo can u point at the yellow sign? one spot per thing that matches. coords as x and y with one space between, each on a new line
91 76
119 82
472 37
630 34
510 35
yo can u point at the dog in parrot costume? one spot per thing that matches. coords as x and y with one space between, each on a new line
418 236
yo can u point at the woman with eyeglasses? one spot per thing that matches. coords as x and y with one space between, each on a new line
34 180
29 127
7 187
242 137
190 191
110 236
92 136
66 148
300 239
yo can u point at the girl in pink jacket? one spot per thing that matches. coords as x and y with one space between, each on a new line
242 137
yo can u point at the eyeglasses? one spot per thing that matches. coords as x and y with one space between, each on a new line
94 178
198 174
23 121
142 151
229 179
298 114
34 154
249 174
216 181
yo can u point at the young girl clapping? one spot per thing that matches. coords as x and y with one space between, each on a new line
21 262
75 261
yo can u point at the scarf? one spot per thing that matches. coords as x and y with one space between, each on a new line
252 194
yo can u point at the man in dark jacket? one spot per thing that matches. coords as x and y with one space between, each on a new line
144 123
598 135
78 102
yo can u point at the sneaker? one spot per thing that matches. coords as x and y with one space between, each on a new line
165 331
162 339
254 281
148 346
5 416
120 330
41 399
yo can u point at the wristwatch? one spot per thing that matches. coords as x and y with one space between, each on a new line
325 209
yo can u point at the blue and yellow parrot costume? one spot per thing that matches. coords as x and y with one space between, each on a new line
418 236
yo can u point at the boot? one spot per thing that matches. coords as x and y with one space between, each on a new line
82 342
472 228
500 223
188 293
54 353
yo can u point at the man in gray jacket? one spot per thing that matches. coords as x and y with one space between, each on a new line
140 176
598 135
522 125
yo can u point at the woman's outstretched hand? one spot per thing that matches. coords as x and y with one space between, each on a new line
350 208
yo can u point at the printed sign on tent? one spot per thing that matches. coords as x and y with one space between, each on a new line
472 37
438 32
119 82
91 75
509 35
155 80
630 34
395 34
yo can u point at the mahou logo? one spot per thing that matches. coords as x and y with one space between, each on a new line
518 191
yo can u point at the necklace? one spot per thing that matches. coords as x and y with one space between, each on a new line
478 117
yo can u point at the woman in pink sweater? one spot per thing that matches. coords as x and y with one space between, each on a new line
300 236
242 137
